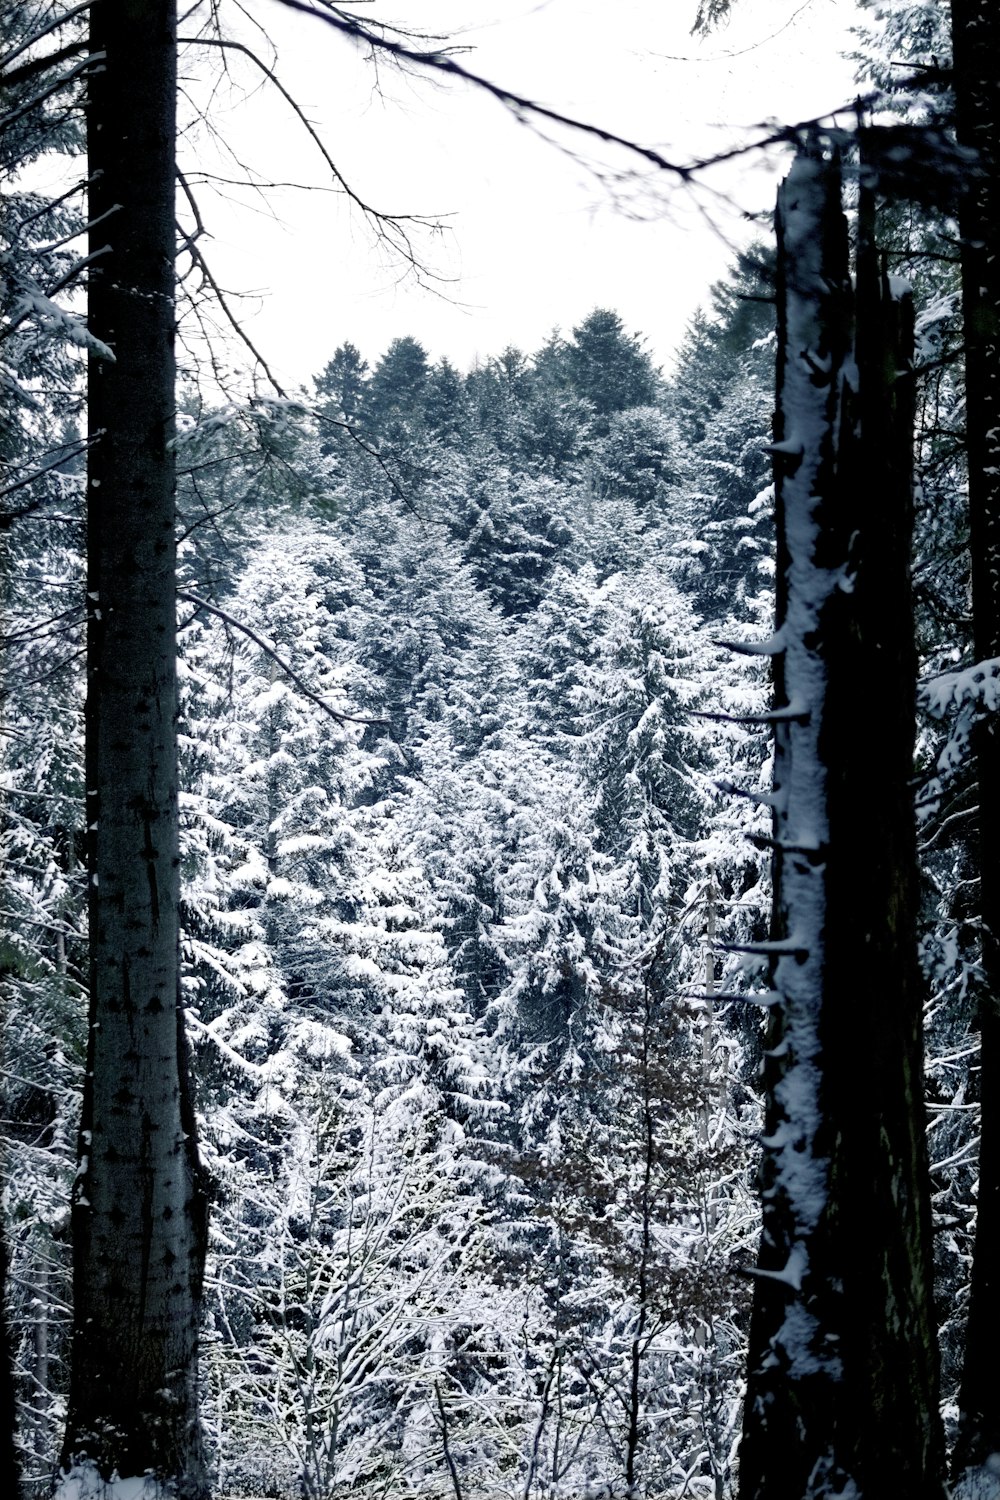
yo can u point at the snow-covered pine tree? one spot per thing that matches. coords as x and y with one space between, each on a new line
722 399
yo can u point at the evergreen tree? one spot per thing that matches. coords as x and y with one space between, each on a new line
445 408
343 382
635 460
722 401
498 392
609 367
397 391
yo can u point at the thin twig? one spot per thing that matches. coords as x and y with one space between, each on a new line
198 259
455 1481
386 221
440 61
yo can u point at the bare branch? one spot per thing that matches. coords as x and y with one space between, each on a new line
199 259
38 65
392 227
374 453
443 1427
57 84
64 452
290 672
443 62
56 24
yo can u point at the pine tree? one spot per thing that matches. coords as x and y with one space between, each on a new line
722 401
609 367
397 390
343 382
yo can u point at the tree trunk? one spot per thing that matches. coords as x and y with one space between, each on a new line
842 1392
139 1224
41 1399
10 1473
976 48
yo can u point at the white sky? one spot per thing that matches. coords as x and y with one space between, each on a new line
535 240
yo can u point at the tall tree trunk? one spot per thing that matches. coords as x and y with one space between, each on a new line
139 1224
10 1472
976 48
842 1392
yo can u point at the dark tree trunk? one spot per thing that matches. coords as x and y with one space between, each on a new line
9 1467
976 47
843 1367
138 1212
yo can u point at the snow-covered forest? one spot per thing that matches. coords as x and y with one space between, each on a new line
452 846
479 968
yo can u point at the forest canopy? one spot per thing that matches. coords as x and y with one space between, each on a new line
476 838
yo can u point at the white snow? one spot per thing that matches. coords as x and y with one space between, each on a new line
977 685
83 1482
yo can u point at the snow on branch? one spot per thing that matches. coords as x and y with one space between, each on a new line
279 660
977 686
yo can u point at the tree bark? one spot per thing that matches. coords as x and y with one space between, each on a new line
10 1469
139 1222
842 1390
976 48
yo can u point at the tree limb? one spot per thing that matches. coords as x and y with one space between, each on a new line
286 667
392 226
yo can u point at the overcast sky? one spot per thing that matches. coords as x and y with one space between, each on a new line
534 238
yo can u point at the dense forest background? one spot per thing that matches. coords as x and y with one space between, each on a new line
475 851
452 846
